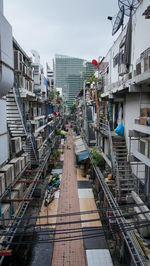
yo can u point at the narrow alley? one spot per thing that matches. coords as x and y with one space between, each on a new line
73 244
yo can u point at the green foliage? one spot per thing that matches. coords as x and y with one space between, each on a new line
97 158
54 156
52 94
99 94
57 132
93 79
57 93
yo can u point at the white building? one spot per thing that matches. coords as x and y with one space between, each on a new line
126 94
6 79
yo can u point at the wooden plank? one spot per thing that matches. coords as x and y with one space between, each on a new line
89 205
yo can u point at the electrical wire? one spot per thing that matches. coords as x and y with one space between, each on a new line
71 238
123 226
74 213
80 221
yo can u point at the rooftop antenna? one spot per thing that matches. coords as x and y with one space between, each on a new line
130 6
118 21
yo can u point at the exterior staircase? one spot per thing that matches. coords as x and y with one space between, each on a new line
126 181
14 121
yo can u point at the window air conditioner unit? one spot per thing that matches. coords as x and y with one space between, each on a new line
122 70
18 61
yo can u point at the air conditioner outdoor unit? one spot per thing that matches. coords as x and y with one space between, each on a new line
122 70
20 189
2 183
18 61
15 204
5 214
17 166
8 171
26 156
16 144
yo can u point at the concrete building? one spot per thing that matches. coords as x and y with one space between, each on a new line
28 119
6 79
125 90
121 97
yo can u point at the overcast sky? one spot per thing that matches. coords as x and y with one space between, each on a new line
76 28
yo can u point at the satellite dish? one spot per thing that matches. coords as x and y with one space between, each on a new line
130 6
118 21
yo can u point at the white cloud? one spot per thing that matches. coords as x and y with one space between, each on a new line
77 28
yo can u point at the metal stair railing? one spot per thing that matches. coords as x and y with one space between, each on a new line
23 118
134 249
104 124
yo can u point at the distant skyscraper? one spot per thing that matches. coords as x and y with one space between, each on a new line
70 72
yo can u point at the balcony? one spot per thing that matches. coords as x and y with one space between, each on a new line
142 126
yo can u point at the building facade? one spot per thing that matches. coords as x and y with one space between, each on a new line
121 97
70 73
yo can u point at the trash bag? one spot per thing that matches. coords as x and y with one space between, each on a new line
119 130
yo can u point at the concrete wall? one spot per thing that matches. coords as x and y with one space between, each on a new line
140 42
131 111
6 55
141 28
3 130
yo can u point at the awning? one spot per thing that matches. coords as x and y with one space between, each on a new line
80 149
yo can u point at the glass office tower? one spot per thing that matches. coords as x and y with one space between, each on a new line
70 72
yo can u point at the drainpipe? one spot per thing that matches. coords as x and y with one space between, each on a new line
85 113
